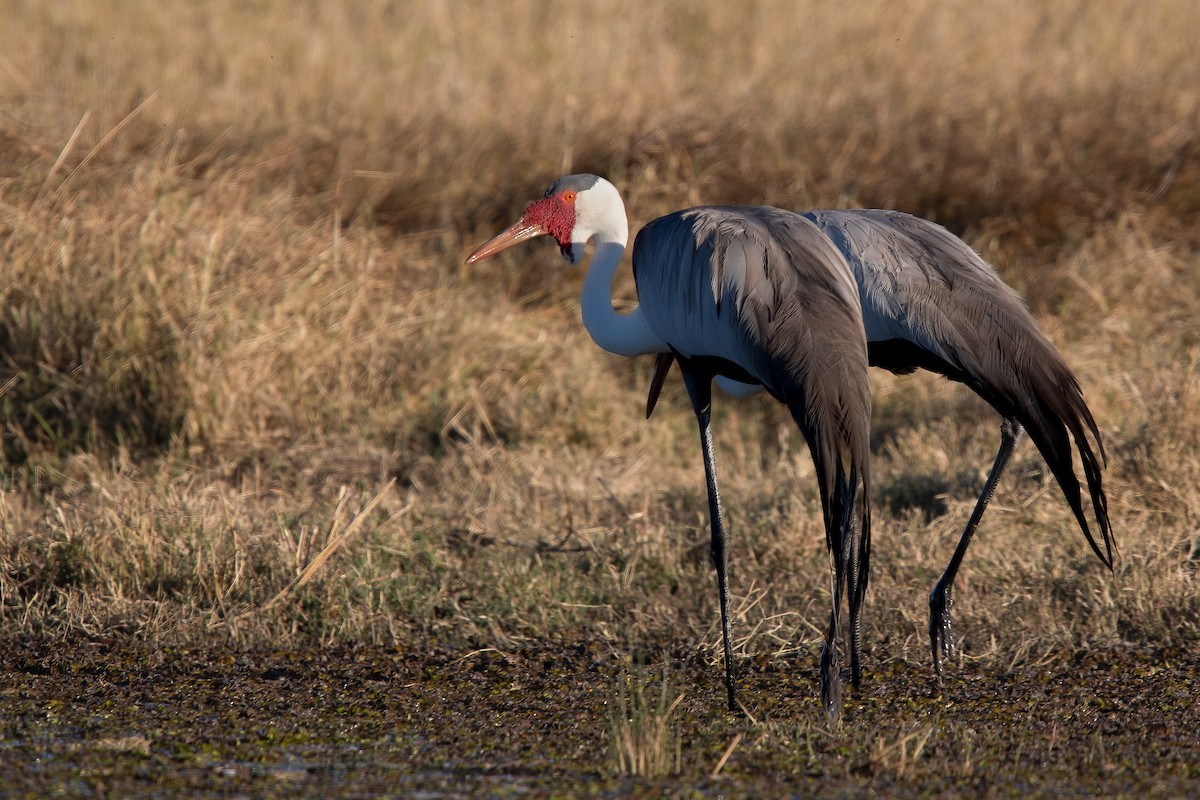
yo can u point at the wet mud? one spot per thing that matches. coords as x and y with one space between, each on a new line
112 718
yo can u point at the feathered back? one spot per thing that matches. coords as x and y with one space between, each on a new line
930 301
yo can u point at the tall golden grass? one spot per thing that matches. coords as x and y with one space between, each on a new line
234 307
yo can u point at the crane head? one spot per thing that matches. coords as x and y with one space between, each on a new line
565 213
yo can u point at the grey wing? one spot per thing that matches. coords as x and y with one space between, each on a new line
747 284
919 284
764 289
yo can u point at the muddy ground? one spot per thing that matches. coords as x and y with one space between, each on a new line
116 718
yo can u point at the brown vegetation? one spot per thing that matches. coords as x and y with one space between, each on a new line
234 307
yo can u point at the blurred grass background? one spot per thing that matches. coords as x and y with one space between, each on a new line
234 307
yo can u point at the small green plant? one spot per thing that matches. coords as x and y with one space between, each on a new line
645 738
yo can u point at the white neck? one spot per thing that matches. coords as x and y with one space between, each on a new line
623 334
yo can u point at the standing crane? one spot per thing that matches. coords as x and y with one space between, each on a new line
754 295
930 302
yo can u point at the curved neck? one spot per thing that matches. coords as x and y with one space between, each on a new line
623 334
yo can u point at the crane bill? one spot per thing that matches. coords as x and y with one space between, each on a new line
662 365
514 234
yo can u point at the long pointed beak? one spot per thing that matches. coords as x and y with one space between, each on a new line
514 234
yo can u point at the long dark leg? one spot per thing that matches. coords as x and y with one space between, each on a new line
699 388
831 667
855 578
941 635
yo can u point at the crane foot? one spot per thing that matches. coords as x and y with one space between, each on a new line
941 627
831 683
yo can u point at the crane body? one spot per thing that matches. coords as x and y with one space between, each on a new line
749 294
930 302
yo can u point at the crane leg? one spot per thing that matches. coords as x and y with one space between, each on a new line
941 634
699 387
831 667
855 579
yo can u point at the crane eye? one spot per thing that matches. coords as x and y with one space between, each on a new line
569 197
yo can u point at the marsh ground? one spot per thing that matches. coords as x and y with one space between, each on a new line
109 719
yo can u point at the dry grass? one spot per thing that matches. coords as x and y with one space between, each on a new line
234 308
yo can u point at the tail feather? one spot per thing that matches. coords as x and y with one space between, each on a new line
932 302
1055 412
838 443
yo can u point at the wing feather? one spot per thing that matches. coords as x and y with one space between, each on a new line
765 296
924 288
